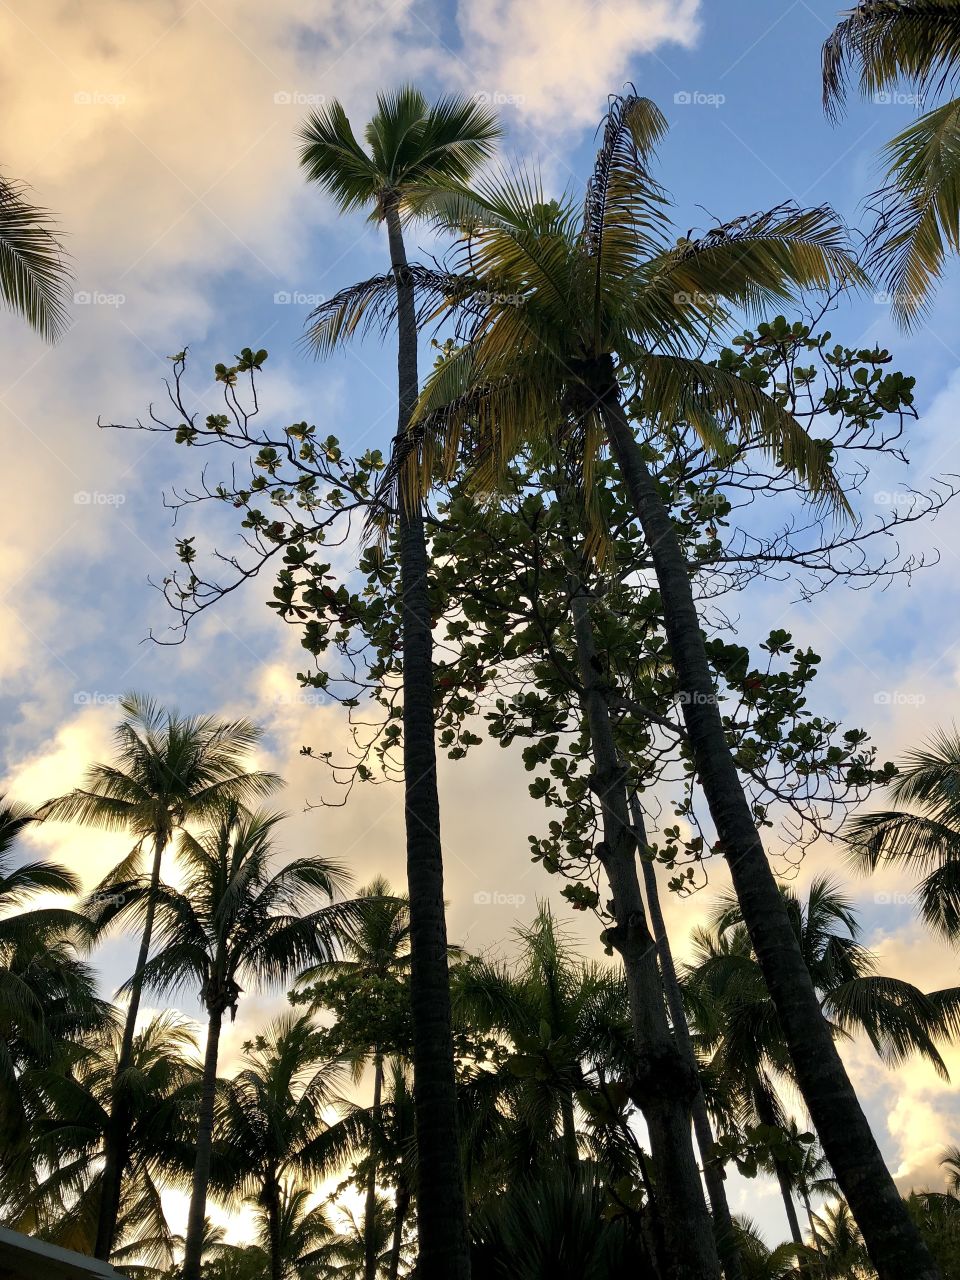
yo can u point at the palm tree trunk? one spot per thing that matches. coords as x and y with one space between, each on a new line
571 1147
401 1206
441 1200
893 1242
665 1083
370 1209
712 1172
192 1254
273 1227
767 1115
109 1210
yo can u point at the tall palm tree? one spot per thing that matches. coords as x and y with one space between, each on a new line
48 996
239 918
270 1122
737 1023
563 310
161 1088
376 959
890 42
33 273
559 1014
412 146
167 770
922 832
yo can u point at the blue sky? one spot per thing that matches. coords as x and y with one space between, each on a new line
164 136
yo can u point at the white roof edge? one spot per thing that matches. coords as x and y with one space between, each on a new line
73 1264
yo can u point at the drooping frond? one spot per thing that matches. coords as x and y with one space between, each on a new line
752 262
888 41
33 271
370 307
920 211
723 408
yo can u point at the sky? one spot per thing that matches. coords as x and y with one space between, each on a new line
164 136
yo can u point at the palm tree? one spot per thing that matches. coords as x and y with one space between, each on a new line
738 1025
167 770
558 1014
161 1091
918 42
373 969
842 1253
270 1122
410 146
238 919
922 832
33 273
563 309
48 995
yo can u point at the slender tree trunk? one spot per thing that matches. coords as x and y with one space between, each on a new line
571 1147
370 1210
401 1206
767 1115
119 1117
192 1254
813 1228
273 1226
441 1200
893 1242
712 1172
665 1084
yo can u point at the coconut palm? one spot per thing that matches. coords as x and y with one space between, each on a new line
239 918
372 974
887 43
739 1030
33 272
412 146
564 311
72 1111
167 770
922 832
842 1254
269 1124
559 1015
